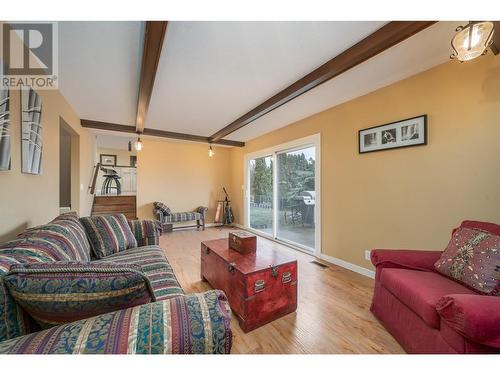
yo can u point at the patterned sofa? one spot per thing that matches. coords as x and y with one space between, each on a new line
168 322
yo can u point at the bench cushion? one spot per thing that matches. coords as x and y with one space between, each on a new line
192 324
176 217
155 266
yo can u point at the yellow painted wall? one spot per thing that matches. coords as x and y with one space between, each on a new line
28 200
181 175
406 198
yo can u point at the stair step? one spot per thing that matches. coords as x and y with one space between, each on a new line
115 205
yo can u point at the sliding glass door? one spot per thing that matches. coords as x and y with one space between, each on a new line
282 199
296 196
261 194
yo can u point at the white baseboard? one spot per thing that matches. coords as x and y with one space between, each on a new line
339 262
350 266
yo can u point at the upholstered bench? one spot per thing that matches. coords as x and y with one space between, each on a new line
168 218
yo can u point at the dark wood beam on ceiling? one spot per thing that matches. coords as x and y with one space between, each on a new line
155 133
91 124
154 35
385 37
495 46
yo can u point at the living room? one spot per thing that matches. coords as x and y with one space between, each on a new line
215 182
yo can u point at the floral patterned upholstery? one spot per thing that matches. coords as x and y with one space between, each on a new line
177 323
61 292
191 324
472 257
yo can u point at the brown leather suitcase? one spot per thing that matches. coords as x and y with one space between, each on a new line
243 242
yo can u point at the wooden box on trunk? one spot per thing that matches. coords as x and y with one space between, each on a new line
243 242
260 286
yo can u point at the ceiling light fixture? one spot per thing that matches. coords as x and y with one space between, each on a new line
472 40
210 151
138 144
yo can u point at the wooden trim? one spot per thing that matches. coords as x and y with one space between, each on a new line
154 35
190 137
91 124
382 39
495 46
174 135
94 179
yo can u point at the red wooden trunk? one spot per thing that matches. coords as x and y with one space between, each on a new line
260 286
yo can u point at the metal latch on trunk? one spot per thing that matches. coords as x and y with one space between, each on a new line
259 286
274 270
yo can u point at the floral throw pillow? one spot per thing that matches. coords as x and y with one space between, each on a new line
472 257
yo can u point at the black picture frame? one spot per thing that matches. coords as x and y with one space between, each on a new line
375 138
105 163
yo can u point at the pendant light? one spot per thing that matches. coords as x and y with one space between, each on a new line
138 144
210 151
472 40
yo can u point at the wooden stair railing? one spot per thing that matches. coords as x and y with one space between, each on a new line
94 178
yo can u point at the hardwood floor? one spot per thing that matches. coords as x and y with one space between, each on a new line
333 313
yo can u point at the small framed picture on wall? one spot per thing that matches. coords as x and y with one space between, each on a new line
108 160
404 133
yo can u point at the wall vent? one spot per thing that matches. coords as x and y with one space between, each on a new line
322 265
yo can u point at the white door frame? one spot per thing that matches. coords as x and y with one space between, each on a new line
312 140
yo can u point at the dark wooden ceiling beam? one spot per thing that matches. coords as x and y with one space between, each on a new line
495 46
154 35
382 39
108 126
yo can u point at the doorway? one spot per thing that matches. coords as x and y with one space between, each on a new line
68 168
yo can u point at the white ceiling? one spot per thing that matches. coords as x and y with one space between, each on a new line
99 68
117 141
424 50
210 73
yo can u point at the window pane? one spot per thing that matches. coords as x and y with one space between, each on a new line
261 194
296 196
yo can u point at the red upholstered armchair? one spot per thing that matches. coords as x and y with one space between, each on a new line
430 313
